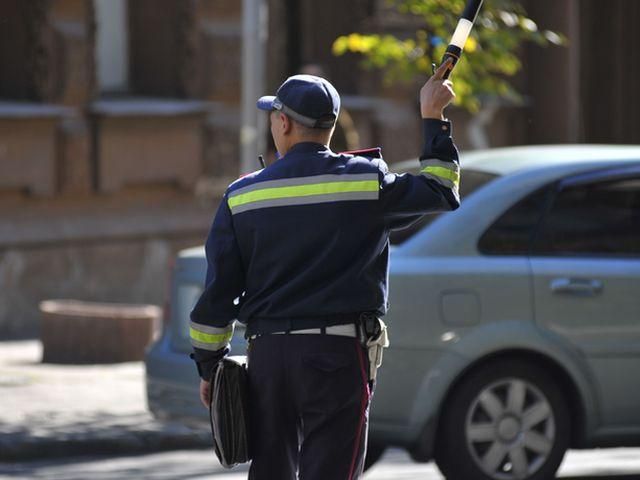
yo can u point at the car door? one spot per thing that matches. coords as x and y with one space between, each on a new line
586 272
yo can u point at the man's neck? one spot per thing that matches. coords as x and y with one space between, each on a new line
298 140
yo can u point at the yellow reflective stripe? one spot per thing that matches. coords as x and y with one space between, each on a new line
443 173
215 338
326 188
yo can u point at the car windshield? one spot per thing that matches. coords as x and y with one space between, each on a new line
470 180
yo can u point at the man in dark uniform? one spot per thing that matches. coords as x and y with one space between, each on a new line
299 253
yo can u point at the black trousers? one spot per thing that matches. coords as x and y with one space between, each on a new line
309 407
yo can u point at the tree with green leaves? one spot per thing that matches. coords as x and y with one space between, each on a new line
491 53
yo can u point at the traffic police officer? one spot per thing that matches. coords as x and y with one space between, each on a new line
299 252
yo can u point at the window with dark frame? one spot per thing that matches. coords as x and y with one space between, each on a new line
596 219
513 232
143 47
24 56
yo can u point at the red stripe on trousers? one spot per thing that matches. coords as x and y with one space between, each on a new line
365 399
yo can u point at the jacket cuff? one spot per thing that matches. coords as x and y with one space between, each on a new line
207 366
432 129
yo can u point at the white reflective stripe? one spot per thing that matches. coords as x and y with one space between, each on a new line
306 200
210 338
436 162
213 347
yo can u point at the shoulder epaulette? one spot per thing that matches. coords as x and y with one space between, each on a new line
375 152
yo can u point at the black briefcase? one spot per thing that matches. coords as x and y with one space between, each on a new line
229 412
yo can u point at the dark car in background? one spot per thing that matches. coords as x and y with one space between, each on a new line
514 321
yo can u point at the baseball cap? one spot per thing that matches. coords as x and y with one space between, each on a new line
307 99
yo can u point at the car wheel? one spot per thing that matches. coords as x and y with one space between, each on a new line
374 453
507 420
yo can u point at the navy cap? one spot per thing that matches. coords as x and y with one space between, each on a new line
307 99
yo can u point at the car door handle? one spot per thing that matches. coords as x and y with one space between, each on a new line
576 286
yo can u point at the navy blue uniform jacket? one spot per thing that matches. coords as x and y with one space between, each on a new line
304 243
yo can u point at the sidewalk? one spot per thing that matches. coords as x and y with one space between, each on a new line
63 410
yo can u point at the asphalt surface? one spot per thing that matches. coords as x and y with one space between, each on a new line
63 410
611 464
67 422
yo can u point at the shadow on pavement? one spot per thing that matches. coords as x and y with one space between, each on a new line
154 467
66 434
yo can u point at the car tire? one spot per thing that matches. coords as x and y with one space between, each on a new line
374 453
506 420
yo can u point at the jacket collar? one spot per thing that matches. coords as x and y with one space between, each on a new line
307 147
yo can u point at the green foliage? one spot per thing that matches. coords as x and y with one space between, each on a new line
491 53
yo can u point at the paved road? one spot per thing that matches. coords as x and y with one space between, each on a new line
612 464
50 403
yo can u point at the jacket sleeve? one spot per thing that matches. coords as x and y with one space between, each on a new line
405 197
212 318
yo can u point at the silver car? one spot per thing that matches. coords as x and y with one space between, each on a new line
514 321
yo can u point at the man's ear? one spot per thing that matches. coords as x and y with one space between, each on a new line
287 124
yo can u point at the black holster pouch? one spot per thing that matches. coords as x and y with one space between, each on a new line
229 412
369 327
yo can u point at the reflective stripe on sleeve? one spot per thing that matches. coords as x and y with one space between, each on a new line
210 338
305 191
446 174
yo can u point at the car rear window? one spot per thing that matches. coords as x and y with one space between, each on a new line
470 180
513 232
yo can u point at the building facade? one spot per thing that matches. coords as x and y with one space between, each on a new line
120 123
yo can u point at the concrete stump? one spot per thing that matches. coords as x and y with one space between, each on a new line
78 332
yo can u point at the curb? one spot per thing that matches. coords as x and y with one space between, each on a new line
24 447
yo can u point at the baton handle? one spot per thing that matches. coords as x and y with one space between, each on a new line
454 54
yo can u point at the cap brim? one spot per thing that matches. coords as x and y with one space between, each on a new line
266 103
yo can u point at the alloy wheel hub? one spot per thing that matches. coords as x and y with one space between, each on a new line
510 429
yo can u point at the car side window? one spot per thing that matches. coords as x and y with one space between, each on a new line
596 219
513 232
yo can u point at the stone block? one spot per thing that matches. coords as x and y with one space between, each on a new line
222 61
222 142
70 10
72 53
78 332
148 144
75 154
28 144
133 269
76 79
220 9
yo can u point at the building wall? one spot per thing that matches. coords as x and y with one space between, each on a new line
103 181
609 56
